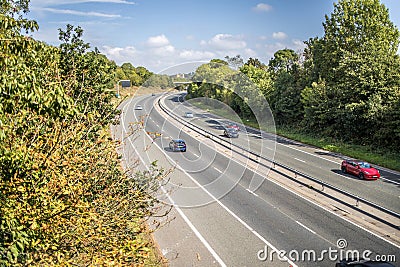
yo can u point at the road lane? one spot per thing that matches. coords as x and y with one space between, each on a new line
277 215
308 160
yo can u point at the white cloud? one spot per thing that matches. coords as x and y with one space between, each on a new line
120 54
158 41
248 52
163 51
196 55
226 42
261 7
298 45
279 35
79 13
63 2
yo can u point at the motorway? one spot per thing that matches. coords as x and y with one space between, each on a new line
236 225
320 164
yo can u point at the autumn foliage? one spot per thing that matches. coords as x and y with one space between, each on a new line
64 199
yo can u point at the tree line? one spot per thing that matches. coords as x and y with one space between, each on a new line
64 199
345 85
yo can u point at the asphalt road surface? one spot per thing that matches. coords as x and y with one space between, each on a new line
235 226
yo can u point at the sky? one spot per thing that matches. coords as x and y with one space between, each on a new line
161 34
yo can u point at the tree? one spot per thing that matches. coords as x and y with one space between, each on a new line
64 199
357 61
284 60
261 78
235 62
287 86
255 62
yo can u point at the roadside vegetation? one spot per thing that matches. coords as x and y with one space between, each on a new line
64 198
342 93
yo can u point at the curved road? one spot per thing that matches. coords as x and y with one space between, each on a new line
317 163
236 226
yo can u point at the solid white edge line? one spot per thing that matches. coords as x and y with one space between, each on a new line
226 208
313 203
184 217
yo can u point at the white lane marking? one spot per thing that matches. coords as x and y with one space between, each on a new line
184 217
390 181
225 207
385 169
218 170
251 192
195 154
300 160
313 203
305 227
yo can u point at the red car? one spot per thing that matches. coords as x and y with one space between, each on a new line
233 126
361 169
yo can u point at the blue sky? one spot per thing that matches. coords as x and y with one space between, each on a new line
159 34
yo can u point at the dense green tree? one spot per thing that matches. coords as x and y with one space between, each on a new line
137 75
64 198
288 84
159 81
255 62
358 63
261 78
284 60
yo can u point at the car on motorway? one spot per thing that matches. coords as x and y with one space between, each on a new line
177 145
188 115
138 107
363 263
231 133
153 94
362 169
233 125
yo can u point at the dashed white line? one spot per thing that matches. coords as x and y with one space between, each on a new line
306 199
251 192
218 170
305 227
300 160
390 181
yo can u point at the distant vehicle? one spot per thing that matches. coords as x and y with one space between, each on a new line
233 125
153 94
361 169
138 107
189 115
363 263
177 145
231 133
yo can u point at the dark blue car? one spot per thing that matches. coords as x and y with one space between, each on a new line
177 145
